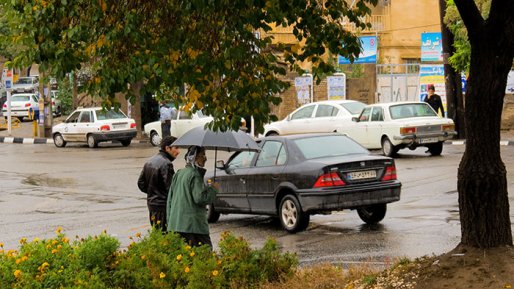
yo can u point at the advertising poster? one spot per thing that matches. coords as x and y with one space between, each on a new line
510 83
431 46
368 53
432 74
303 89
336 86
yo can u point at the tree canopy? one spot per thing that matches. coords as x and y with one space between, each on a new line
219 50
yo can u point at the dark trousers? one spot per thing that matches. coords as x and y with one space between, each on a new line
196 240
158 217
165 128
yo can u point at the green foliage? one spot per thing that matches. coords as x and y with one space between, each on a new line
65 95
460 60
153 261
210 46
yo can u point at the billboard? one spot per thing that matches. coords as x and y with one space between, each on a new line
368 53
431 46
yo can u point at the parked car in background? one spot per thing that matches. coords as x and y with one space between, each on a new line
397 125
322 116
95 125
26 84
296 176
22 104
182 123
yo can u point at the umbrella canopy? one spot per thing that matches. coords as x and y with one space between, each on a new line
216 140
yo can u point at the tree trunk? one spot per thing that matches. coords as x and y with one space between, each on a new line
136 107
482 182
453 84
75 98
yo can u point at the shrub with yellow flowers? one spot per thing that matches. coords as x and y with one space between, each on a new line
155 260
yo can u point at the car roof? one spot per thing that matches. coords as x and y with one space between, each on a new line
299 136
387 104
334 101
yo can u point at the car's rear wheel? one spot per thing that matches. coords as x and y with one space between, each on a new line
91 141
292 218
435 149
272 133
59 140
388 149
125 142
212 215
372 214
155 139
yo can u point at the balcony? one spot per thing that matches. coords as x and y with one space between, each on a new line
379 23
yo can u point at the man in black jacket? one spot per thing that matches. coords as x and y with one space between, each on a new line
434 100
155 180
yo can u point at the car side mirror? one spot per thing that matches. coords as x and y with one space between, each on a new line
220 164
355 119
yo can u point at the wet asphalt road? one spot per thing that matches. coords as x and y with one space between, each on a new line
86 191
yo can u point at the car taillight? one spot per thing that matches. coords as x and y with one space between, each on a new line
329 180
105 128
448 127
390 173
27 104
133 125
5 105
53 103
408 130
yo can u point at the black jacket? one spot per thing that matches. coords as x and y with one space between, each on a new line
155 179
435 102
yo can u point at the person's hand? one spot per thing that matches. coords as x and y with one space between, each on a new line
213 184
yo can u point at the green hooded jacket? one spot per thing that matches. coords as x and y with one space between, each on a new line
187 198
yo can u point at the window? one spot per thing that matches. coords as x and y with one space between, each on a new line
85 116
74 117
377 114
305 112
326 110
269 154
109 114
328 146
411 110
365 114
353 107
184 115
241 160
20 97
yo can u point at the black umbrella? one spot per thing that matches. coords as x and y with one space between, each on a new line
230 141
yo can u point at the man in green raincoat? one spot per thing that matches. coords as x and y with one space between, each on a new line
187 198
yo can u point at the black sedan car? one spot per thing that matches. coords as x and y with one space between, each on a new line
296 176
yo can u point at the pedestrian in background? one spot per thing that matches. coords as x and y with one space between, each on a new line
187 198
165 117
434 100
155 180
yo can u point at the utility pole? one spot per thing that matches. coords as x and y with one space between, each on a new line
452 79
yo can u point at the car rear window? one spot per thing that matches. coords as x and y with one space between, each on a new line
20 97
353 107
411 110
328 146
24 81
109 114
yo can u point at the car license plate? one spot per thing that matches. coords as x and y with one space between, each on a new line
429 140
361 175
118 126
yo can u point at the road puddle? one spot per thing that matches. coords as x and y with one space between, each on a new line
42 180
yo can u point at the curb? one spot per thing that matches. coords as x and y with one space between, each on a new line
463 142
21 140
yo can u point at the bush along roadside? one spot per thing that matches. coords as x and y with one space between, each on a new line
153 261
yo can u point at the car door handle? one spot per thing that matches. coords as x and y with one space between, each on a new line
242 180
274 178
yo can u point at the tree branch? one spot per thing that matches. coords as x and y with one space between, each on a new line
503 20
472 18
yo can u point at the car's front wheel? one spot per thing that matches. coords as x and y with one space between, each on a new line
292 218
388 149
125 142
372 214
212 215
436 149
272 133
155 139
91 141
59 140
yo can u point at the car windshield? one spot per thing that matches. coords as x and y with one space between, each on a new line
24 81
328 146
353 107
20 97
109 114
411 110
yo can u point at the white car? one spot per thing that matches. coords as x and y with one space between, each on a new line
22 104
26 84
322 116
94 125
182 123
56 103
398 125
